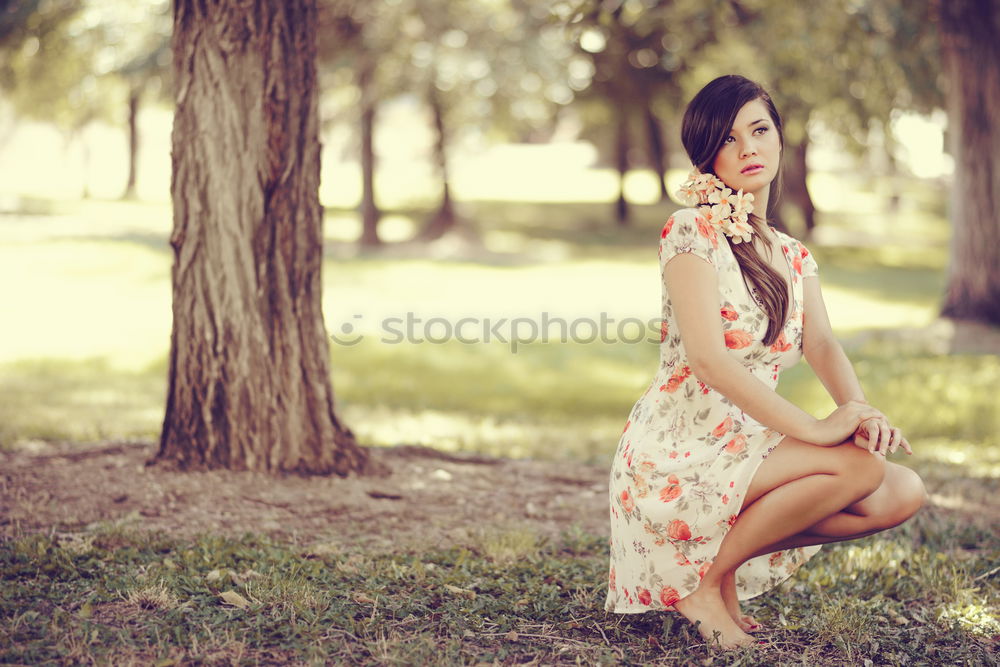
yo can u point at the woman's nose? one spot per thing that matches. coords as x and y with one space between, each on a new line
747 149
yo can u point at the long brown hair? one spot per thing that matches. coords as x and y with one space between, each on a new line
707 121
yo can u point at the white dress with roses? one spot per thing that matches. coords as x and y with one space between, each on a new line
687 454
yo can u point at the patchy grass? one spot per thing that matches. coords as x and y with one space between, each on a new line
920 594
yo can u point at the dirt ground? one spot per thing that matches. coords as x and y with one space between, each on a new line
429 498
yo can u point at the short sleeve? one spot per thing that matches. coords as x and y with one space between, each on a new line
808 262
688 231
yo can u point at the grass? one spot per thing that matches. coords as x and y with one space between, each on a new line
127 597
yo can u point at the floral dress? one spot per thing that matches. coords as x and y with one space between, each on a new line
687 453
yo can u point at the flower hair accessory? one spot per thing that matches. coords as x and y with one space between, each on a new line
727 210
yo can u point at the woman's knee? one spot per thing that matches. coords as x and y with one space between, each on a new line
908 493
900 496
864 471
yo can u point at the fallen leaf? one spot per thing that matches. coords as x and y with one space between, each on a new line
462 592
235 599
361 598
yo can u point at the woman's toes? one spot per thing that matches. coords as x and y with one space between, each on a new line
748 624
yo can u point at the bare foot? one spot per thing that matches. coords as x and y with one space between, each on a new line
732 602
706 606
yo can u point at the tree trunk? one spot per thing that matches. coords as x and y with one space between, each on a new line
370 213
133 142
795 186
444 218
970 39
249 377
621 164
657 151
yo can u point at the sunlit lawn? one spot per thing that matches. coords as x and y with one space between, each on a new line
87 314
88 317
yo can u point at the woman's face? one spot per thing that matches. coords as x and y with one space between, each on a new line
751 154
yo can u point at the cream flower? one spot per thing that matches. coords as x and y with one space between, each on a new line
723 208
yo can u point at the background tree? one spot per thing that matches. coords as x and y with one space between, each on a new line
970 36
49 71
827 63
640 53
249 377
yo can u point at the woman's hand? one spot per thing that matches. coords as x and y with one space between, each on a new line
842 423
879 437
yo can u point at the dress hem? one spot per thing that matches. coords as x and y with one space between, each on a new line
776 438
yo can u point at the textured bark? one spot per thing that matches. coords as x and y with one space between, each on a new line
249 381
133 142
370 213
970 38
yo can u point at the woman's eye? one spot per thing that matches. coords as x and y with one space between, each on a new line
761 129
730 138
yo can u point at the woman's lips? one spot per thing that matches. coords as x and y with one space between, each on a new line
752 169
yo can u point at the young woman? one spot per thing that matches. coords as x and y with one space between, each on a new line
720 488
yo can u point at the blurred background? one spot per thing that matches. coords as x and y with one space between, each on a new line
489 159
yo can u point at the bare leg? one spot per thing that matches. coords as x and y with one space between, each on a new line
899 496
797 486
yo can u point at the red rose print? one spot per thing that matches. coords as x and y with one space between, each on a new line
668 596
611 579
628 504
737 339
703 569
676 380
671 490
729 314
667 227
707 230
627 424
723 428
725 499
775 558
736 445
644 596
797 265
663 330
781 345
678 530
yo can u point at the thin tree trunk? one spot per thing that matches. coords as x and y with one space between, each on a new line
621 164
444 218
370 213
795 185
657 151
133 142
970 38
249 375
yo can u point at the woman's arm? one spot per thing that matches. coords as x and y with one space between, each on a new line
822 350
827 359
693 287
